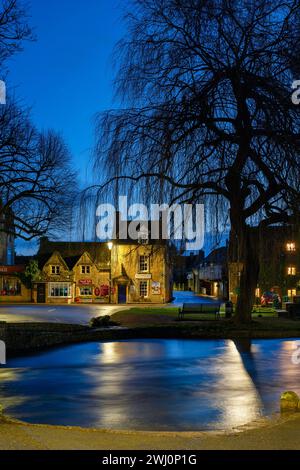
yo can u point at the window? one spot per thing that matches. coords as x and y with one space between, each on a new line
55 269
59 289
86 291
144 264
291 270
10 286
291 246
291 292
144 289
85 269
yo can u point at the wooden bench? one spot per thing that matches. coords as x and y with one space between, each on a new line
204 308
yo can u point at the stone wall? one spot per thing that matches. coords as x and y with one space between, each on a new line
28 337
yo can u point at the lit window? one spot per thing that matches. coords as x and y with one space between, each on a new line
85 269
291 270
59 289
291 246
144 264
86 291
55 269
10 286
144 289
291 292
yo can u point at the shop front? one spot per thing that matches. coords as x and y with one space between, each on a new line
84 291
11 287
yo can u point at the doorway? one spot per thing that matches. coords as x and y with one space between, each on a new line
41 293
122 294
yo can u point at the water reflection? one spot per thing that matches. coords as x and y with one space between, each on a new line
151 384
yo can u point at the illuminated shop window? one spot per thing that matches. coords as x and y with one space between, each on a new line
59 289
10 286
291 292
291 270
291 246
86 291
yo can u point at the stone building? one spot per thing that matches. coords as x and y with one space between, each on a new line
279 260
11 287
121 272
213 274
7 242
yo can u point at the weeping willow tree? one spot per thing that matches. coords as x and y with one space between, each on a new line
207 115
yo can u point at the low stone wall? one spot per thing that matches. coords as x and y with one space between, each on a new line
27 337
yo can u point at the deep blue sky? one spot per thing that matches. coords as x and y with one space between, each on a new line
66 74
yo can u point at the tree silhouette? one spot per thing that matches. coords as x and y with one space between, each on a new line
207 114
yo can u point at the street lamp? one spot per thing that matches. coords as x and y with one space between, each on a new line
110 247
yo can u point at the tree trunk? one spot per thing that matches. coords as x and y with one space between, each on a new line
248 255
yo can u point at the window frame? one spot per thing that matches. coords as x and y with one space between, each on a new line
291 271
85 269
59 286
146 262
292 292
90 288
56 268
145 284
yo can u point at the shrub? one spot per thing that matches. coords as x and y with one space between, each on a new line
103 322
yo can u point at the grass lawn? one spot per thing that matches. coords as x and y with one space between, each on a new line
166 321
158 316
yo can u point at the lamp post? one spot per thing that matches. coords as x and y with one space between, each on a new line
110 247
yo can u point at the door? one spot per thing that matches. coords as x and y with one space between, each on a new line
41 293
122 294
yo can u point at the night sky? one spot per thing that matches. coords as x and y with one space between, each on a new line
66 74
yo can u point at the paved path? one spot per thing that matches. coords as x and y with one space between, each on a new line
80 314
275 435
74 314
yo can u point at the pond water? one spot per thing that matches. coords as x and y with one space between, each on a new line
151 384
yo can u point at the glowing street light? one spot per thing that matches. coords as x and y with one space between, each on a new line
110 247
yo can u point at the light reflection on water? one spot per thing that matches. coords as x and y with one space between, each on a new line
151 384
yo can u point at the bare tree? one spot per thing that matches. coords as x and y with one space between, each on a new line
14 28
37 184
206 86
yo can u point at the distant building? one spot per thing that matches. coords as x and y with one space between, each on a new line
184 267
11 287
7 242
279 260
213 274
